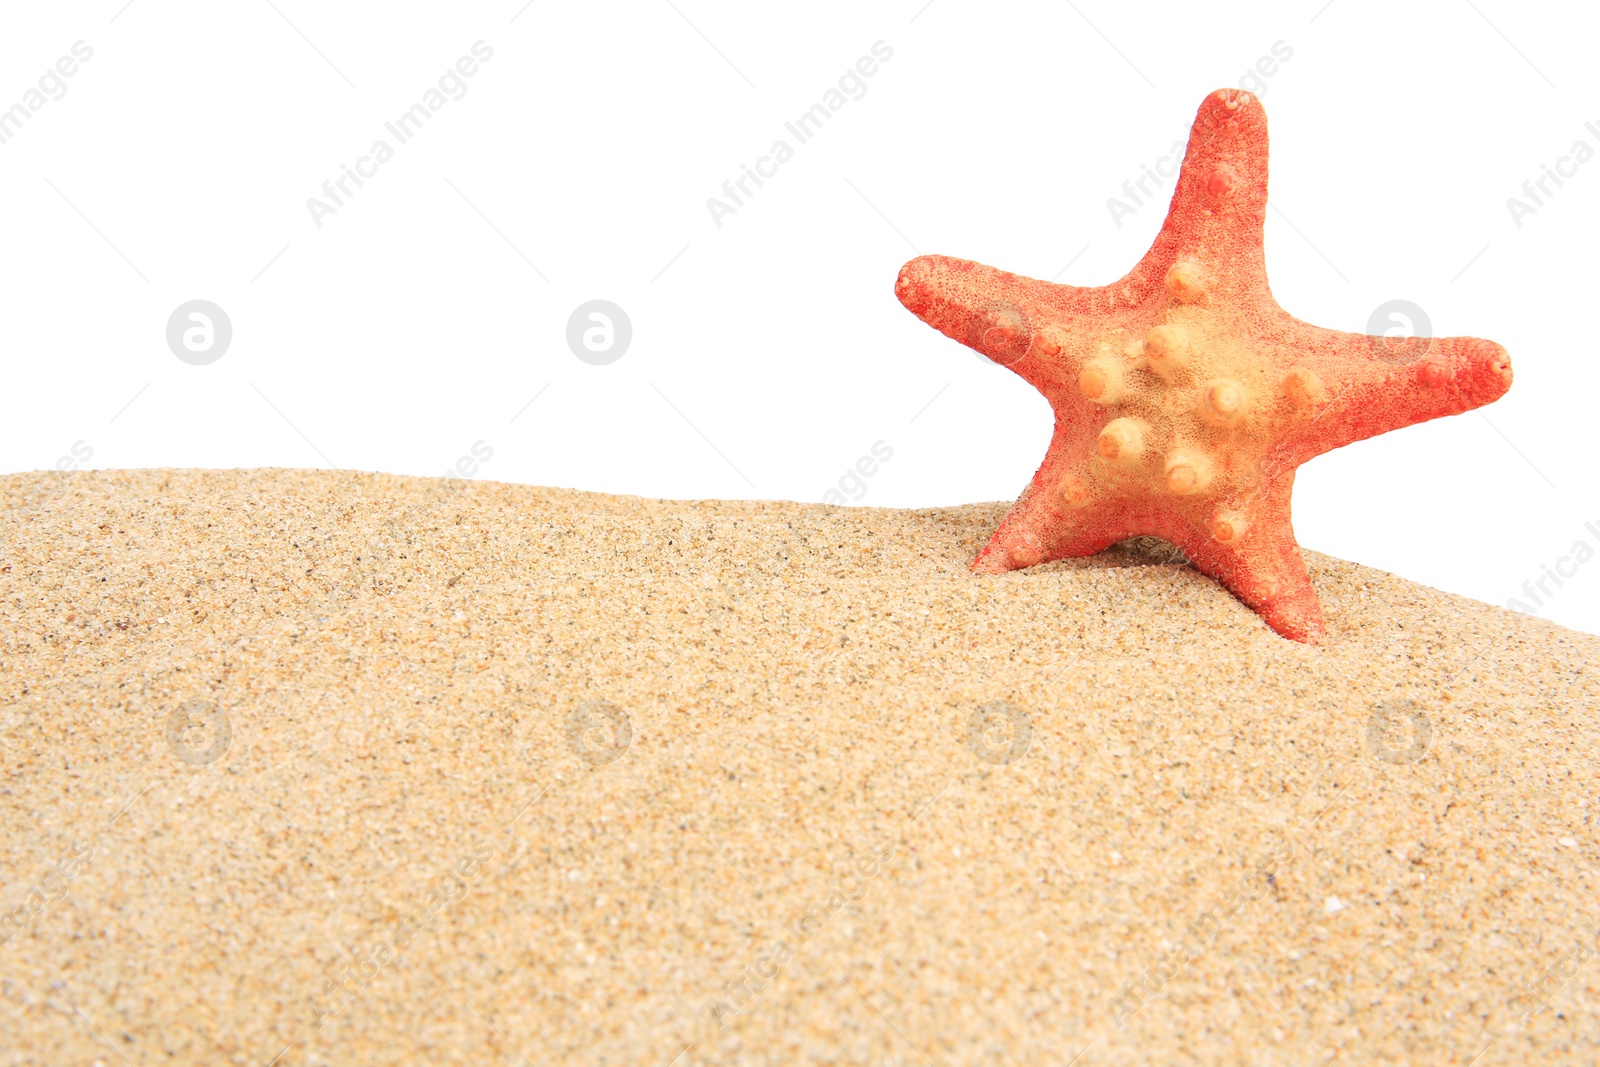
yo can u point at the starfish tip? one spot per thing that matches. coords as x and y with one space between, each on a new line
1469 371
992 560
1233 103
968 302
913 285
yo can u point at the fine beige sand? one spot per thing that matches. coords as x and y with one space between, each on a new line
345 768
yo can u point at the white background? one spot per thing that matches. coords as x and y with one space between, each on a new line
770 353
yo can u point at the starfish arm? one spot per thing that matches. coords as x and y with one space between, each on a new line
1375 385
1002 315
1264 569
1219 205
1042 526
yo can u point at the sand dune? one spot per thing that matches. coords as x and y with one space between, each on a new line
347 768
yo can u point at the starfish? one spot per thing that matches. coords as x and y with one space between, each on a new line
1184 396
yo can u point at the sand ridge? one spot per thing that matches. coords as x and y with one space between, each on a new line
350 768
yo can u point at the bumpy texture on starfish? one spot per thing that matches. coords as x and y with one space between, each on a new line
1184 396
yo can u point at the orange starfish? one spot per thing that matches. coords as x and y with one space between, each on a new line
1184 396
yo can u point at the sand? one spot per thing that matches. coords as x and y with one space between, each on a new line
347 768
